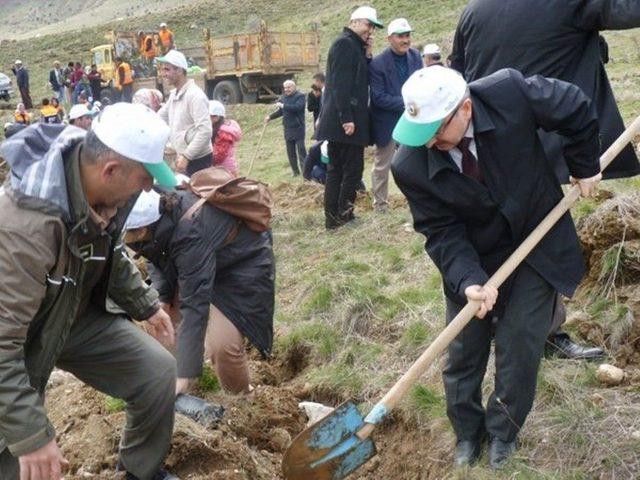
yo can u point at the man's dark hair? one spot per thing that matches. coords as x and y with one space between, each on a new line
78 64
93 65
70 64
118 59
320 76
93 148
45 101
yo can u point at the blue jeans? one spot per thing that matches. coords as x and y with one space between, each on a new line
79 88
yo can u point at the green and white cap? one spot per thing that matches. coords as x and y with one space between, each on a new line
429 96
398 26
367 13
137 133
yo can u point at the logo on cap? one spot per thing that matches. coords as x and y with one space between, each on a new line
412 109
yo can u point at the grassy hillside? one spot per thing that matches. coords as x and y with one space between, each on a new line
355 307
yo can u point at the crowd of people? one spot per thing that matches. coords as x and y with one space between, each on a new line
479 145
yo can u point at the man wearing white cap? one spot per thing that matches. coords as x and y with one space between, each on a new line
64 267
431 55
187 113
387 73
344 120
477 181
166 38
22 80
80 116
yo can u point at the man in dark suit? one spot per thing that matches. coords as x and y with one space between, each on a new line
478 182
291 108
344 119
22 79
387 73
559 39
56 80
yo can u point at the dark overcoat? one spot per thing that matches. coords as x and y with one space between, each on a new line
292 113
472 228
554 38
346 93
385 90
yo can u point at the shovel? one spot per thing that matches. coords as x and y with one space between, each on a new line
255 152
339 444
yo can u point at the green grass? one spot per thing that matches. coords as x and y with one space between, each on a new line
208 381
114 405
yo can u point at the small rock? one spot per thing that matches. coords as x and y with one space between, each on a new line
408 227
315 411
609 375
635 435
280 439
597 399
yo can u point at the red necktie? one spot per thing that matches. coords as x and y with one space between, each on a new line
470 165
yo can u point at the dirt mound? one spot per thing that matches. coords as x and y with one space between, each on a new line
293 197
610 238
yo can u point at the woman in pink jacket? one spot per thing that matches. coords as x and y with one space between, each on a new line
226 133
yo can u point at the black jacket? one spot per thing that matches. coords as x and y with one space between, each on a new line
554 38
22 77
313 104
53 79
292 114
346 93
238 278
471 228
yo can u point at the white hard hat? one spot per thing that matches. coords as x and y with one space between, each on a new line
367 13
399 26
216 108
429 95
431 49
79 110
145 211
138 133
175 58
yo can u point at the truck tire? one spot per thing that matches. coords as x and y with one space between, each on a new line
227 92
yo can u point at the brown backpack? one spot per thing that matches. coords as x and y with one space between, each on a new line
247 200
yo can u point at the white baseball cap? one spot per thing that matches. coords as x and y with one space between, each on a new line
367 13
216 108
175 58
145 211
431 49
399 26
18 62
163 25
429 95
138 133
79 110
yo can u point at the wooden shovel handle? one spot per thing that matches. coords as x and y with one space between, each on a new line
393 396
255 152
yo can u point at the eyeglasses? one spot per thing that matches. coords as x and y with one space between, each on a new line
444 126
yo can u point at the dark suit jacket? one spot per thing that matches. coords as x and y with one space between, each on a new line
385 92
346 93
472 228
292 114
554 38
53 80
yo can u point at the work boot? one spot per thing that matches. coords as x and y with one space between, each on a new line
500 452
467 453
206 414
560 345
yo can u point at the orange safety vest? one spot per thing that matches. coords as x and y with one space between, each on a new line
128 76
165 37
147 48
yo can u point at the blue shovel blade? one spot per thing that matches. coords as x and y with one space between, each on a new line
329 449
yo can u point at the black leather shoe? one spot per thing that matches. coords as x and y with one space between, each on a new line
467 453
499 452
560 345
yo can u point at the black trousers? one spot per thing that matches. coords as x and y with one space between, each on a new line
344 173
126 94
519 334
199 163
296 152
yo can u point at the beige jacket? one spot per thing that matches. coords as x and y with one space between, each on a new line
187 113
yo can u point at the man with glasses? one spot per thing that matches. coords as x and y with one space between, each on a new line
344 120
387 73
474 171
